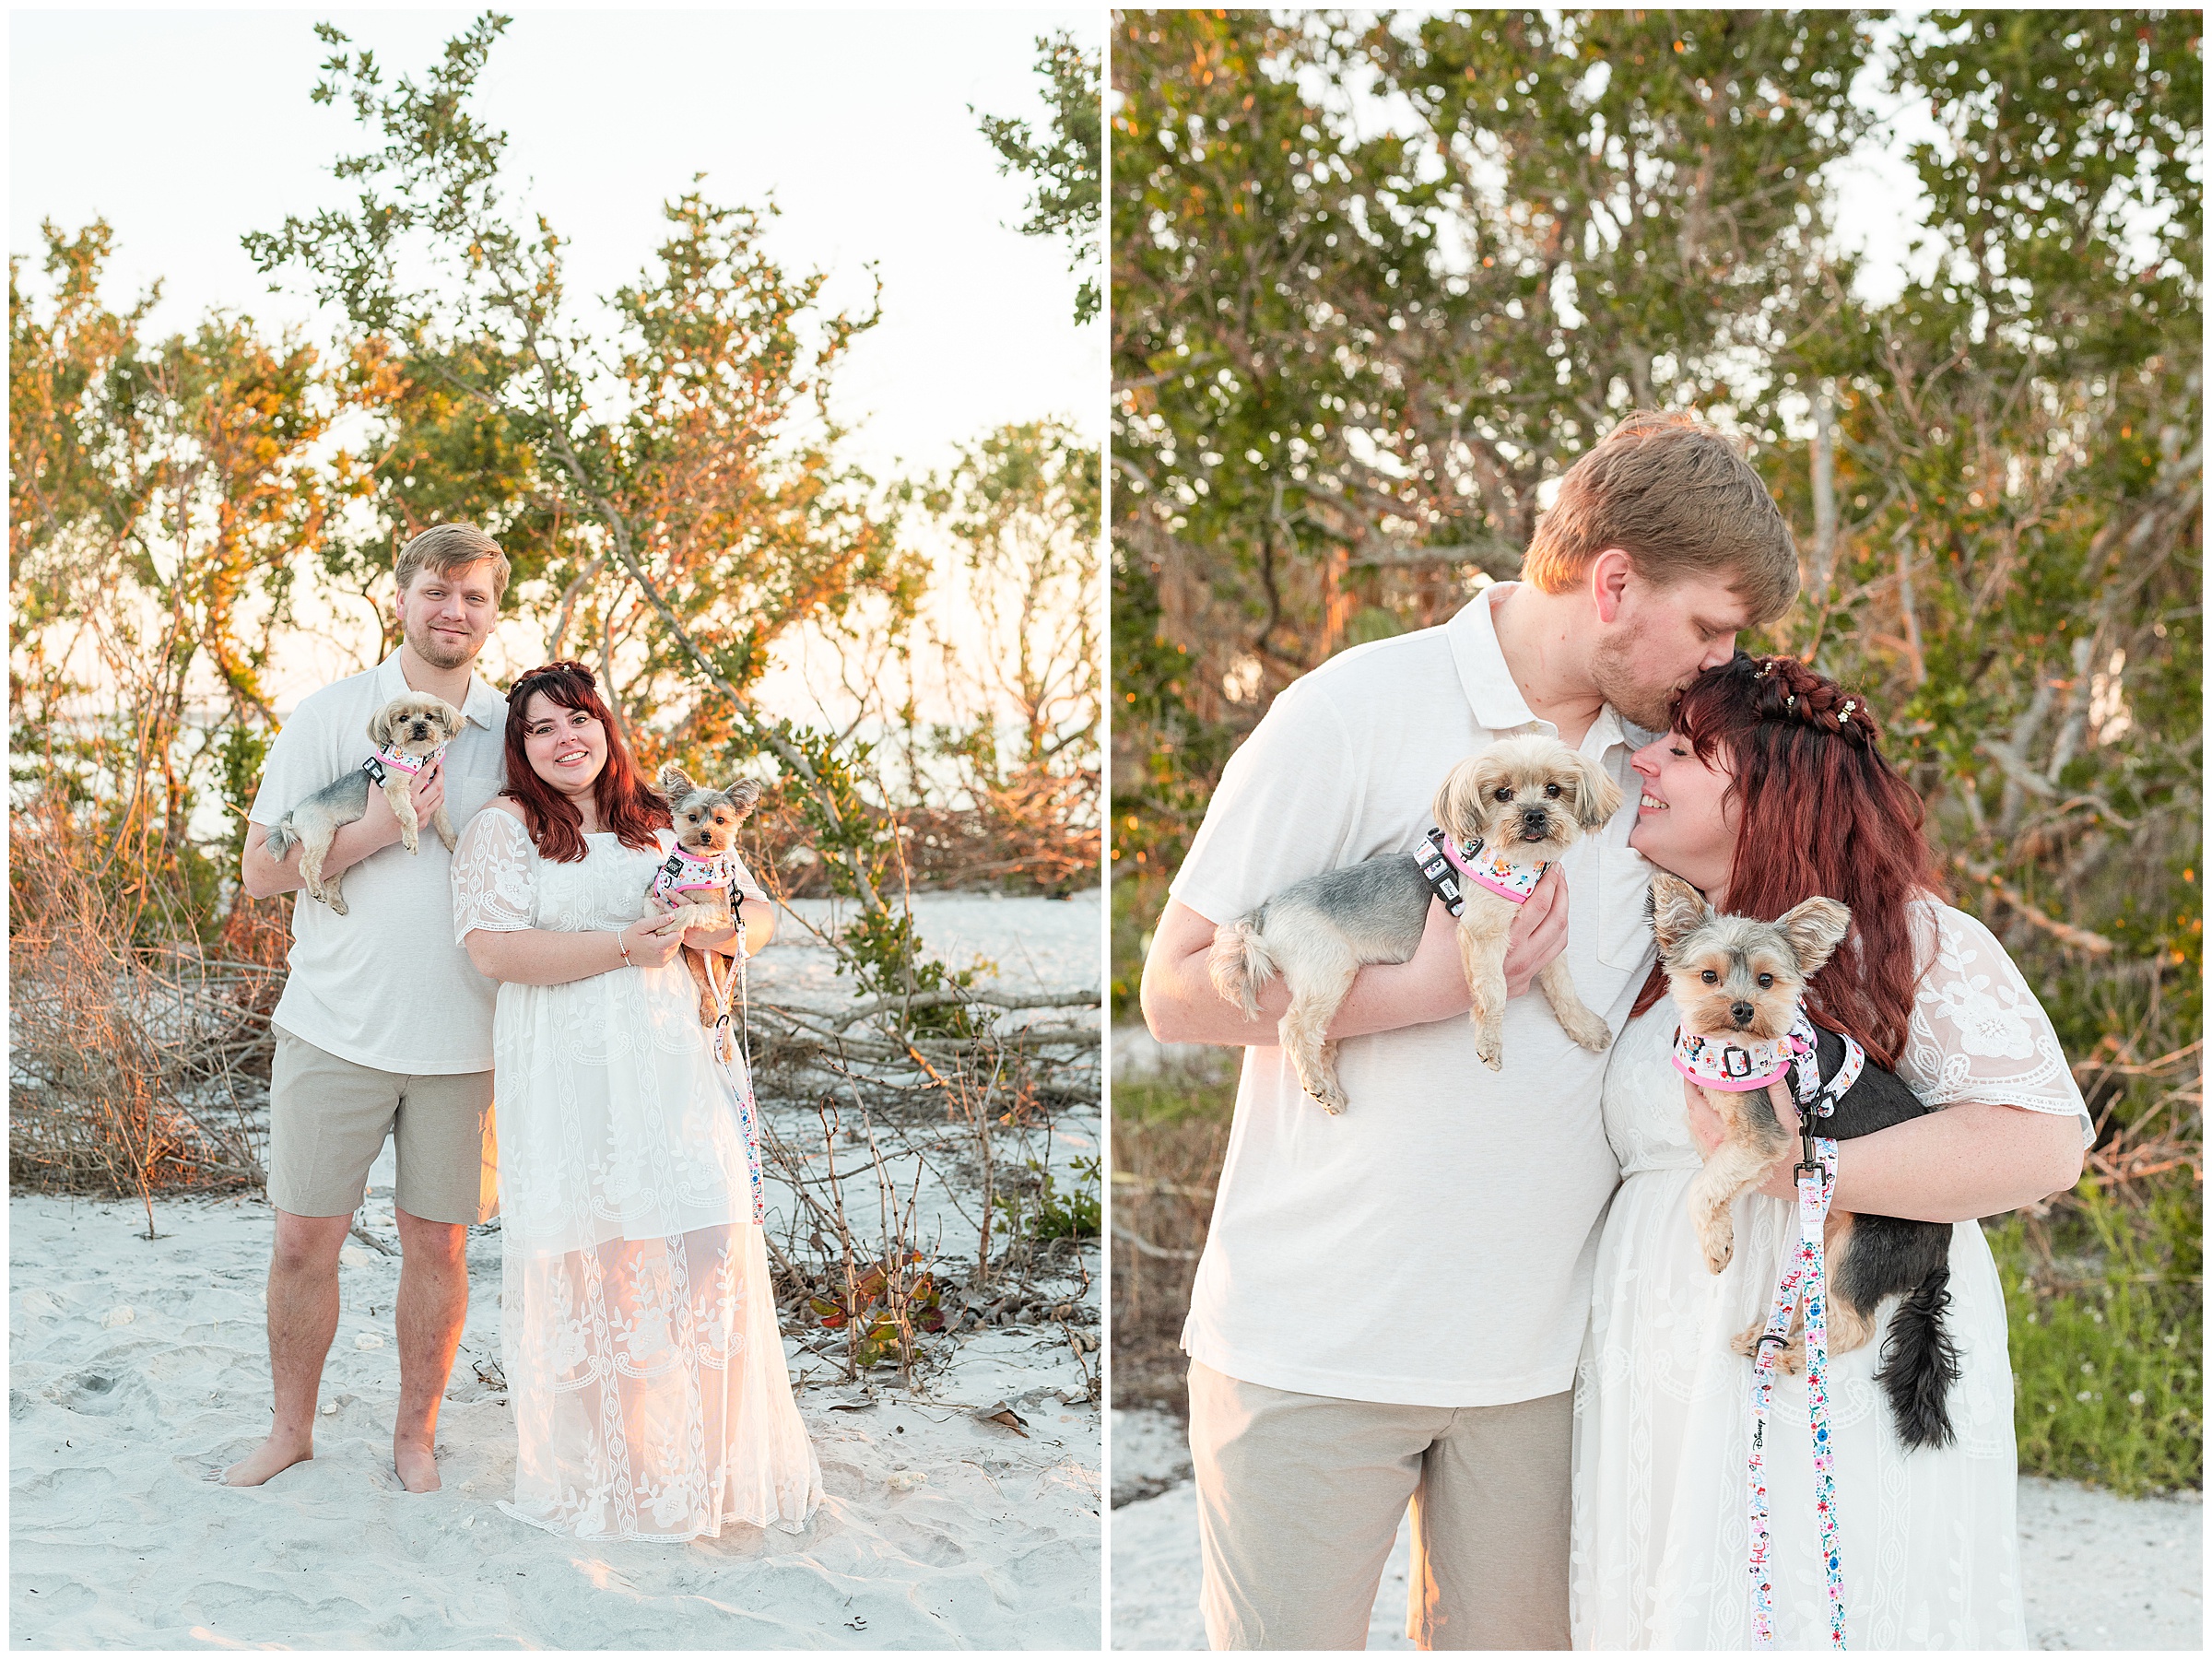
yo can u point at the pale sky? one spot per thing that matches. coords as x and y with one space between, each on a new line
186 129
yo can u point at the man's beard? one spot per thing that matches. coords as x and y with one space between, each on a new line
1645 705
436 650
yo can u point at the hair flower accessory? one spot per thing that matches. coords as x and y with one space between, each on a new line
1849 704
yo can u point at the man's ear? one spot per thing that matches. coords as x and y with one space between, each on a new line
1608 580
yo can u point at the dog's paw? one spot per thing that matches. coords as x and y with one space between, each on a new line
1746 1342
337 902
1792 1355
1717 1240
409 839
1592 1034
1489 1049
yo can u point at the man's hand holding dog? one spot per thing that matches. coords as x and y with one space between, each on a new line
1435 982
381 826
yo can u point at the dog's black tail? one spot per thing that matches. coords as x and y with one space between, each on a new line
1920 1363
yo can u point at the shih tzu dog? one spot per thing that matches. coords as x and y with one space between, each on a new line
410 733
1738 985
1502 818
700 877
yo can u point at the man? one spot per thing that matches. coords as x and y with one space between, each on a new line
384 1028
1391 1303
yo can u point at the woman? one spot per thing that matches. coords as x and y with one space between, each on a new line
1769 788
638 1332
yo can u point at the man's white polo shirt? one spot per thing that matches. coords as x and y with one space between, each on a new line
385 985
1433 1244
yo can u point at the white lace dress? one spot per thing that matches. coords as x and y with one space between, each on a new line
1929 1544
636 1327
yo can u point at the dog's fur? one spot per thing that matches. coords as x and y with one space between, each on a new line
706 824
1737 975
1531 793
415 724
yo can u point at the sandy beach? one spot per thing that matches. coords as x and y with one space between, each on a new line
2099 1571
138 1371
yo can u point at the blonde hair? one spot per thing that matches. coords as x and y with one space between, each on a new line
448 548
1681 501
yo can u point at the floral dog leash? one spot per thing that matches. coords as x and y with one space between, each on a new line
1806 1277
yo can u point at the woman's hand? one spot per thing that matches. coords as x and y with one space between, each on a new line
721 941
653 941
1706 1129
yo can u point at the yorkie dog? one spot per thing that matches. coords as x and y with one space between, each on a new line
1503 817
410 733
1738 985
700 877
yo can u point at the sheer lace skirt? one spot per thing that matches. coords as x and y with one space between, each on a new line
648 1385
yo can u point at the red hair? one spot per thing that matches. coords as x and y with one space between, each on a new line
628 805
1821 810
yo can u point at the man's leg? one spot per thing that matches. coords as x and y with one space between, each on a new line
1491 1529
433 1306
1298 1502
303 1318
327 1120
443 1149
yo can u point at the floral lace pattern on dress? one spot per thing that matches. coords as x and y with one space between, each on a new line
644 1366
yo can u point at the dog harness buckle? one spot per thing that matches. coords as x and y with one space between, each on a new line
1440 863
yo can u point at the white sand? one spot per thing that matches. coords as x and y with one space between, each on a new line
2100 1573
138 1370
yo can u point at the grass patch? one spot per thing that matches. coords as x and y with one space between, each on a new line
2106 1308
1156 1101
1168 1137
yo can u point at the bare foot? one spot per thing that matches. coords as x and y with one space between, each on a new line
418 1465
277 1453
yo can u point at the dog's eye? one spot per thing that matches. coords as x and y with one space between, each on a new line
1552 790
1504 795
1765 980
1709 977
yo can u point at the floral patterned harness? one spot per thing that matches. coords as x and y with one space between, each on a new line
1445 864
388 760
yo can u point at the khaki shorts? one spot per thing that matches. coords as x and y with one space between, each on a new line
328 1119
1299 1497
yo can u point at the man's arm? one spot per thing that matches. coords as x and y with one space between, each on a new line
1181 1006
375 830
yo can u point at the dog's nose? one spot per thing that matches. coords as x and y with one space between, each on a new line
1741 1013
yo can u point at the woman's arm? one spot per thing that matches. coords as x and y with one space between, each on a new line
1966 1160
549 957
759 918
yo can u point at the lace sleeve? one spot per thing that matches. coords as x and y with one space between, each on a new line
1978 1033
495 875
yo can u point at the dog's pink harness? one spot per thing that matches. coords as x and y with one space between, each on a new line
1439 858
686 874
1734 1062
387 759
